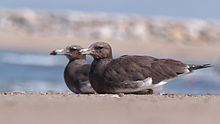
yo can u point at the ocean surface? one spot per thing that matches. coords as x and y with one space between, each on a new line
41 73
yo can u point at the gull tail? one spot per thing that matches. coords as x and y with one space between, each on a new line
195 67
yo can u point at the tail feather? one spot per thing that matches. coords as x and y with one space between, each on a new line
195 67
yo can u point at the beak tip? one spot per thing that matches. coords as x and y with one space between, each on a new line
53 52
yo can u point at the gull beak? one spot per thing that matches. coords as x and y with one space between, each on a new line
85 51
58 52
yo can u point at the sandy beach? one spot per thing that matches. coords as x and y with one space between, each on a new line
108 109
28 33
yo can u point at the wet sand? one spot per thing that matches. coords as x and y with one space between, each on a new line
108 109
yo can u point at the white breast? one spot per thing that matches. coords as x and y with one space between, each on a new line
142 85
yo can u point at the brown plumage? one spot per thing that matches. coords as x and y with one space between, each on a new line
130 74
76 73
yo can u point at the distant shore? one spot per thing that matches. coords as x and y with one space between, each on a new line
36 43
22 108
31 31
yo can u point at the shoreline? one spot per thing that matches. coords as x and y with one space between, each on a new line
35 43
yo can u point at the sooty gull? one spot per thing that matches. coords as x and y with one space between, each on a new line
76 73
131 74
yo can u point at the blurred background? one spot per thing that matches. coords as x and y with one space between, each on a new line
184 30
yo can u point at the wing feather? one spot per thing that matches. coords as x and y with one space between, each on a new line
134 68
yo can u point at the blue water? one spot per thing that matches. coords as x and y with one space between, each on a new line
29 72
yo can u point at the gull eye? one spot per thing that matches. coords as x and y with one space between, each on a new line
73 49
99 47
